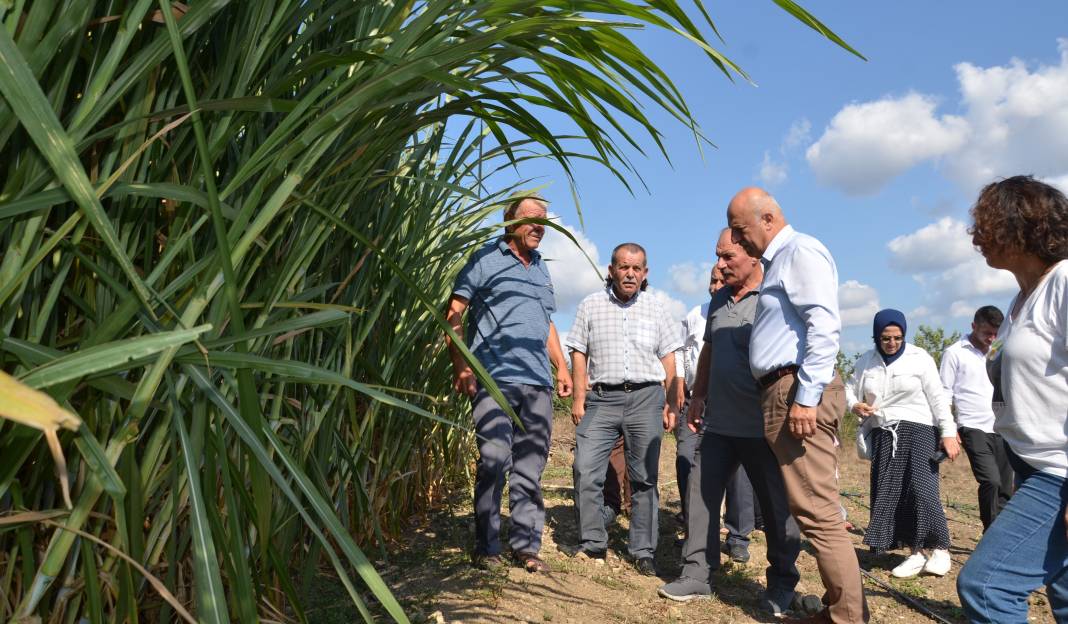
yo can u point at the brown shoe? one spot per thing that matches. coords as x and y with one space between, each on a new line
822 617
531 562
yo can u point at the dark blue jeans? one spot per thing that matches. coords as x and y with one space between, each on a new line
1023 549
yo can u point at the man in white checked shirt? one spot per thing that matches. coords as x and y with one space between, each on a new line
622 347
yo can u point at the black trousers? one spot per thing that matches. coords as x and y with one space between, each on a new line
990 465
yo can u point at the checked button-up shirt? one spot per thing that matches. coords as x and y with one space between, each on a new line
623 341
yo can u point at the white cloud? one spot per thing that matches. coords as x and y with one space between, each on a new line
1013 120
962 308
867 145
857 303
689 278
798 134
969 281
675 308
1061 182
772 173
573 277
939 245
1019 119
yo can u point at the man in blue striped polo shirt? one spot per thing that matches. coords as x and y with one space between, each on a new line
508 292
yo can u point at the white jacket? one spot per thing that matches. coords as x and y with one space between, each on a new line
908 389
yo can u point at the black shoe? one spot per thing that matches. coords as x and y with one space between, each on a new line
738 553
596 556
646 566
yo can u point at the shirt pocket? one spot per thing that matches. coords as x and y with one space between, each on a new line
904 383
548 297
644 335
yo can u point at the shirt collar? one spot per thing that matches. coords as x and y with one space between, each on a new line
502 245
616 300
968 345
784 236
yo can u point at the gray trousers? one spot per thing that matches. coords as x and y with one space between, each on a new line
743 509
687 442
638 415
717 458
505 450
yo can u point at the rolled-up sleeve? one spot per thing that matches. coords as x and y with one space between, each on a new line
670 336
579 334
812 288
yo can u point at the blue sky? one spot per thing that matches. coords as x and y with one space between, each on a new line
879 159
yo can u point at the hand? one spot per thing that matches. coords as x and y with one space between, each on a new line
578 410
563 382
1066 520
959 441
863 410
802 420
695 414
670 415
951 447
464 382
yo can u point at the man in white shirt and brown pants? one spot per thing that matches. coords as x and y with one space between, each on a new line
964 377
791 354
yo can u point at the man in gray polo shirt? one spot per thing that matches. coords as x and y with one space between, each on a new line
507 288
733 423
624 343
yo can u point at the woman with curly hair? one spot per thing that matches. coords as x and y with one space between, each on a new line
1021 225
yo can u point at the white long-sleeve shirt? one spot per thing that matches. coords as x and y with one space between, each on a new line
964 377
908 389
693 330
797 321
1034 376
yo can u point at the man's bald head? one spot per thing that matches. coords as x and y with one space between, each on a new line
754 218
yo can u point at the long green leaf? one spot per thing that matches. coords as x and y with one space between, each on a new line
107 357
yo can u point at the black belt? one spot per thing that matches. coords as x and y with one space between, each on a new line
769 380
626 386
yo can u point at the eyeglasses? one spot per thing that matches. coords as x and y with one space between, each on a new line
888 339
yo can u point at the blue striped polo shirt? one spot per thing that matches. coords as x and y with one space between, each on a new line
508 313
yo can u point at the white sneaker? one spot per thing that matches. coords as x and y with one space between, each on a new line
939 563
911 566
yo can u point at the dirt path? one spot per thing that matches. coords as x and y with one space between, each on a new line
434 580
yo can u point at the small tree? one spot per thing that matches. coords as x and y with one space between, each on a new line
934 341
844 364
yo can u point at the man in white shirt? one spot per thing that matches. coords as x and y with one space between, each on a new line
792 354
964 377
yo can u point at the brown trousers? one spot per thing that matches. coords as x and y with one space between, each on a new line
810 472
616 483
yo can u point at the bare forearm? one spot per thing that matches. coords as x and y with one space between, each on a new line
556 353
578 376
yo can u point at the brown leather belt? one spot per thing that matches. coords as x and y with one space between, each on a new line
626 386
769 380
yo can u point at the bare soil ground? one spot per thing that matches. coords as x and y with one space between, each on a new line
433 578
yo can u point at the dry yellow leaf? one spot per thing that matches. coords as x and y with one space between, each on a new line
33 408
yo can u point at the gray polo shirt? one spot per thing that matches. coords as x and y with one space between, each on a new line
732 406
508 313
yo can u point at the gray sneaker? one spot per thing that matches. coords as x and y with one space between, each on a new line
778 601
685 589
